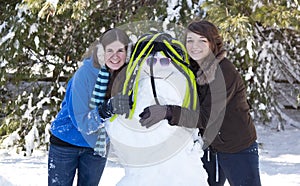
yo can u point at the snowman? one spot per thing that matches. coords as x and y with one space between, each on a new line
161 155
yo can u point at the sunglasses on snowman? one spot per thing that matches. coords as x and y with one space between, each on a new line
164 61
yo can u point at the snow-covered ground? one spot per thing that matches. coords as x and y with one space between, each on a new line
279 162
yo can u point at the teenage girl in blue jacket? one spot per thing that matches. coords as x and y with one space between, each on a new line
74 131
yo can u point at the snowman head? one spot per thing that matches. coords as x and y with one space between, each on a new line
157 56
163 43
157 66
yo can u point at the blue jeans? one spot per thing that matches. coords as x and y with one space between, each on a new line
240 168
63 162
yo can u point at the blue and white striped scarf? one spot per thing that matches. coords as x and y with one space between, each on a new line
98 97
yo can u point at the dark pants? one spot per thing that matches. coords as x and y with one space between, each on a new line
63 162
240 169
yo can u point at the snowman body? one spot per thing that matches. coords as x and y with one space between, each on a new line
162 154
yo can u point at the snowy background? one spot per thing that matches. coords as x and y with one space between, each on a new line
279 151
279 162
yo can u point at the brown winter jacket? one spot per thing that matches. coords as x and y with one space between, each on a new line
223 117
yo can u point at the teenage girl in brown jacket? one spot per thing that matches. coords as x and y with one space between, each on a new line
223 117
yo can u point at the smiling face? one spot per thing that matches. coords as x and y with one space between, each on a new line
197 46
115 55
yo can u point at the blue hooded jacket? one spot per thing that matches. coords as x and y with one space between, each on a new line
76 123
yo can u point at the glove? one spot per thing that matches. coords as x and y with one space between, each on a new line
105 109
176 116
119 104
155 113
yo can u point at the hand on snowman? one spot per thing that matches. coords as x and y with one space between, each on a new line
119 104
155 113
176 116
